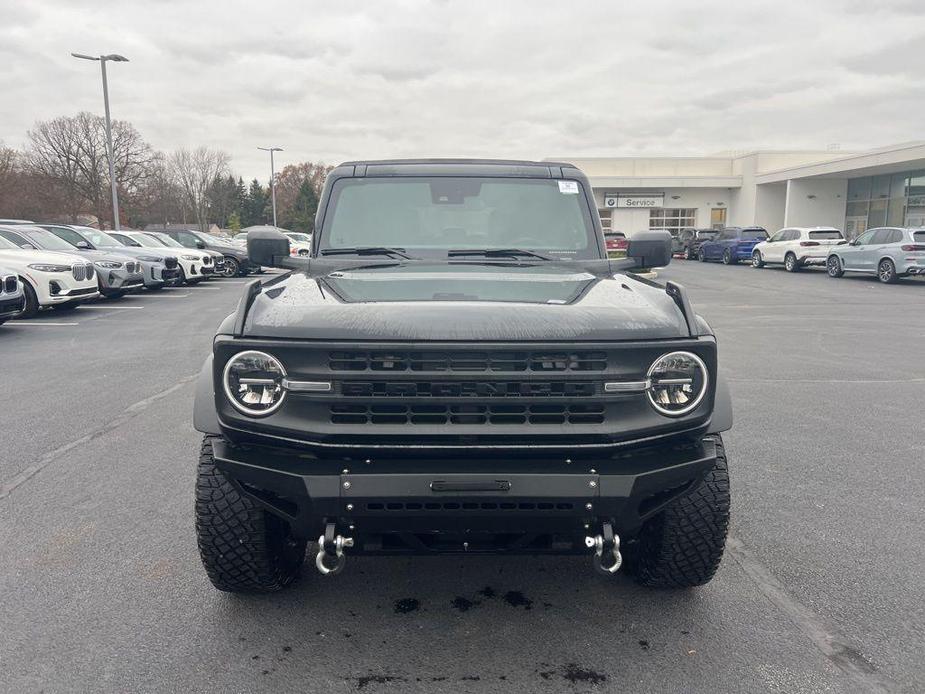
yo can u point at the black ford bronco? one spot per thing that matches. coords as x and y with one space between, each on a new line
459 367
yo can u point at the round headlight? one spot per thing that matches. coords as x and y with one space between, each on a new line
254 383
677 383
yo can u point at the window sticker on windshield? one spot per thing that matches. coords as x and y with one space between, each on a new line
568 187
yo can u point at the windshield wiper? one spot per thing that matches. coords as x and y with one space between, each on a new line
367 250
496 253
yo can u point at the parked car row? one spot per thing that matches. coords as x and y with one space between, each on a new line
889 253
60 266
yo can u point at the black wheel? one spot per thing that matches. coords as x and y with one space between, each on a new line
833 266
244 549
701 256
683 545
232 267
756 259
886 272
31 307
727 258
791 264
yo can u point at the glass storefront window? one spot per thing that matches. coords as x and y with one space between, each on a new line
876 215
678 218
880 187
859 188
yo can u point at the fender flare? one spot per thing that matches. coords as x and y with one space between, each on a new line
722 407
205 418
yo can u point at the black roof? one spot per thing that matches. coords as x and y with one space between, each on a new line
452 161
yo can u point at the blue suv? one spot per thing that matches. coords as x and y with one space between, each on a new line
732 244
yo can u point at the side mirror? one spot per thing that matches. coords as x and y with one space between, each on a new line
200 245
267 248
82 245
650 248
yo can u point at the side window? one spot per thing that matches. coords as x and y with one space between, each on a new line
866 238
896 236
13 238
881 236
72 237
187 239
779 236
794 235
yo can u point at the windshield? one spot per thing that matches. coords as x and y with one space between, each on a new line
431 216
100 239
145 241
49 241
754 234
165 240
826 234
706 234
7 246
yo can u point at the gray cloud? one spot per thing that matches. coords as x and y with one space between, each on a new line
518 78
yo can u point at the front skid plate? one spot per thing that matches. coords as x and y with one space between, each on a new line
498 498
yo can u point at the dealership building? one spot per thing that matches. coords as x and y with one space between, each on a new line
852 191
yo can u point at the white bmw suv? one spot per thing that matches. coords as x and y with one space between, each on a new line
797 247
58 280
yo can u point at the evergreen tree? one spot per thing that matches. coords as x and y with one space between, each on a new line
301 216
255 205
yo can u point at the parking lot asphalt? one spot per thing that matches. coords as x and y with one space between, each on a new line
820 590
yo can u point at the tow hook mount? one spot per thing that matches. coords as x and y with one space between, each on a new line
606 558
330 559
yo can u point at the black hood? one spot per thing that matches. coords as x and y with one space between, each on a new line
464 301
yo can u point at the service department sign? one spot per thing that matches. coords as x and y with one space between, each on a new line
630 200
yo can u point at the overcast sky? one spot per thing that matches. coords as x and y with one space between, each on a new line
345 80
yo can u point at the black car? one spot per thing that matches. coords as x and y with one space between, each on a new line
691 240
459 368
236 262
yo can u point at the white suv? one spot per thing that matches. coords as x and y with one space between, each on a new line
51 279
797 247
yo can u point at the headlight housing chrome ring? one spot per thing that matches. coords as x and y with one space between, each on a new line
253 383
678 382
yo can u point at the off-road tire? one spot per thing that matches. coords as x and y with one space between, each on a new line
756 259
727 258
31 307
791 264
244 548
683 545
886 271
834 267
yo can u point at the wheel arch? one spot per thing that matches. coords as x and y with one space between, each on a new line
722 407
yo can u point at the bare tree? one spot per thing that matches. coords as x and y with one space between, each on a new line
71 152
194 172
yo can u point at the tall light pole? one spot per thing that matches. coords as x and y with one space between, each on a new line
272 177
112 169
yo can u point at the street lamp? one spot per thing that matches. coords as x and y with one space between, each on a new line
272 177
112 169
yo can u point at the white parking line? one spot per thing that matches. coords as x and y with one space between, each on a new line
40 324
111 308
161 296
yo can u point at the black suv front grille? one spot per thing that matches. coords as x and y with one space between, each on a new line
170 262
474 413
468 361
467 389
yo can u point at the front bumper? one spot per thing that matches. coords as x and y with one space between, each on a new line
9 307
418 505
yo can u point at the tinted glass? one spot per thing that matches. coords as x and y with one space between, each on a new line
166 240
826 234
918 236
753 234
5 244
101 239
145 241
866 237
16 239
49 241
881 236
433 216
69 235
